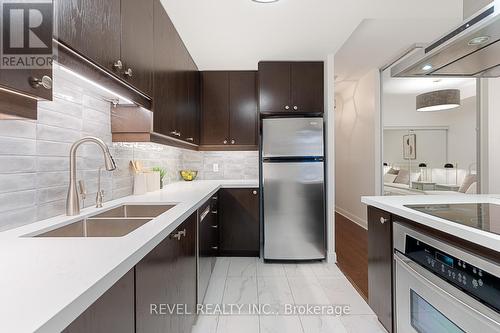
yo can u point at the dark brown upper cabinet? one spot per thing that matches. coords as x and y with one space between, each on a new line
137 44
176 83
291 87
91 28
117 35
229 115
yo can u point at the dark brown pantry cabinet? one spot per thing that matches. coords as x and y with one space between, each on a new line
239 233
112 312
291 87
167 275
117 35
229 117
380 265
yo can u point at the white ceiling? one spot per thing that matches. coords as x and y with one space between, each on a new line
376 42
236 34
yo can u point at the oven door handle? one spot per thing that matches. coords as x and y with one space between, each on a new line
439 284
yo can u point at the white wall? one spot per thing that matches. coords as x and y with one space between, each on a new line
399 111
490 144
330 154
357 121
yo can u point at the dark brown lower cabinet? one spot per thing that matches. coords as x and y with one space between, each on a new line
239 233
380 265
166 277
112 312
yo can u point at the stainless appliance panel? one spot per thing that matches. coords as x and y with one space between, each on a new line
292 137
294 217
425 302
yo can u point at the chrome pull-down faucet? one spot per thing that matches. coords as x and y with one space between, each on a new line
73 201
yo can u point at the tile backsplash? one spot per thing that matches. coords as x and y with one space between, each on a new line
34 156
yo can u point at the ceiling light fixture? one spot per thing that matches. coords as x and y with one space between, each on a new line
438 100
479 40
427 67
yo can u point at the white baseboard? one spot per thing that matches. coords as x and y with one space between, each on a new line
359 221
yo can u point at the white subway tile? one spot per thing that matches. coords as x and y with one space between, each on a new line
15 146
15 200
17 182
17 217
52 133
17 164
50 194
18 128
48 117
62 106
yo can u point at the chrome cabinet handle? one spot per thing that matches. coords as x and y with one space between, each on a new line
45 81
215 247
118 65
287 107
214 226
233 142
128 72
178 133
175 133
190 139
215 212
295 107
254 192
204 214
225 142
183 233
383 220
176 236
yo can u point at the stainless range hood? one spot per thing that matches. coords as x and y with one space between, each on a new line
470 50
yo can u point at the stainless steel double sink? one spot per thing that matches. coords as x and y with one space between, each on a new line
116 222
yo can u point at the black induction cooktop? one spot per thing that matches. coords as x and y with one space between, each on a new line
481 216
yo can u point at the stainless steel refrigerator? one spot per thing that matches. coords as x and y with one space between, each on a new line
293 189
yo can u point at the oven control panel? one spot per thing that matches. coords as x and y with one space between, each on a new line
473 280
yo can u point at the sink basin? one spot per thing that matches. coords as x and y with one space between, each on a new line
145 211
92 227
116 222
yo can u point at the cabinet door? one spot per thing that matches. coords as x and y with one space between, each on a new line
380 265
164 73
307 87
92 28
137 43
187 272
274 87
156 280
243 108
189 117
112 312
215 108
239 222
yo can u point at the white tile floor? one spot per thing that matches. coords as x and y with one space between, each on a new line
250 281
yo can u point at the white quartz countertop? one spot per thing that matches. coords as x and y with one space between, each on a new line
396 205
46 283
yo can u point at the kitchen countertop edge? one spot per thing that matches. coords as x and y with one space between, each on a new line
66 314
